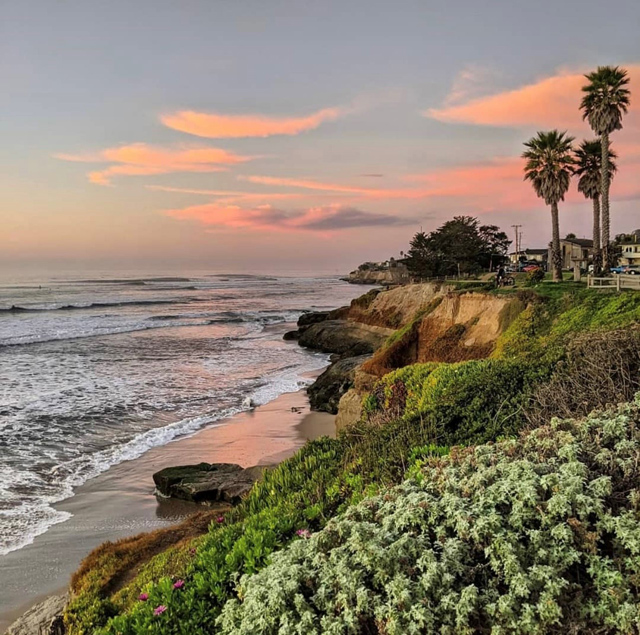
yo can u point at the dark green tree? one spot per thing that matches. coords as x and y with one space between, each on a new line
495 246
457 248
419 259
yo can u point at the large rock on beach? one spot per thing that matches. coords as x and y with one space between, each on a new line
45 618
207 482
326 391
312 317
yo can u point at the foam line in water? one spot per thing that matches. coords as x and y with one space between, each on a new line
30 521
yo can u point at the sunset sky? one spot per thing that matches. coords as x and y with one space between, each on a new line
290 136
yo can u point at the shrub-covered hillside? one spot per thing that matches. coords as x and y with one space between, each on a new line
413 414
539 534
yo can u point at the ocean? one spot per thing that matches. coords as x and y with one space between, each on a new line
97 370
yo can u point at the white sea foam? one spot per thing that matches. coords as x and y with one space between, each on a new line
25 523
74 403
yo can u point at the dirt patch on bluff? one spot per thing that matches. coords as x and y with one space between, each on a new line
461 327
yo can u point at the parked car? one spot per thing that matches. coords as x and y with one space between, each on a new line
629 270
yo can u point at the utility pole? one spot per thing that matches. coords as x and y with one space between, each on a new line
518 243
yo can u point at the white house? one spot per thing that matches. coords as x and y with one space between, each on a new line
630 253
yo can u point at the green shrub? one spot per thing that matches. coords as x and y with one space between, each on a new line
439 404
533 535
534 277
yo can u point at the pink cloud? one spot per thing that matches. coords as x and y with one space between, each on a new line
451 182
324 220
142 159
552 102
228 196
495 185
218 126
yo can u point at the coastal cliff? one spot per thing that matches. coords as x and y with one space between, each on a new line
387 273
385 330
355 332
449 378
385 278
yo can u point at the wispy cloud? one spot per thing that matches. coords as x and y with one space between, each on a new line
325 219
143 159
228 196
221 126
549 102
471 82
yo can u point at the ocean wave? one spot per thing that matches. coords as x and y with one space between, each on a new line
96 332
34 517
130 281
96 305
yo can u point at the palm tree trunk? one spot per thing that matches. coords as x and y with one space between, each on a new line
606 256
597 253
555 244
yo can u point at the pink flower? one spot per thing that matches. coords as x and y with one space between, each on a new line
178 584
192 551
143 597
303 533
159 609
220 519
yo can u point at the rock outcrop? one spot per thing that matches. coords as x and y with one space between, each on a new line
353 333
349 409
326 391
394 307
45 618
344 337
207 482
391 272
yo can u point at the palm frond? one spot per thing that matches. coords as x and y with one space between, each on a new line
549 164
606 99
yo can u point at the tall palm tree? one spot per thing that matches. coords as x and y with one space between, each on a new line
549 167
589 169
606 98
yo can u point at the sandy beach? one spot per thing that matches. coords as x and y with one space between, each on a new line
120 502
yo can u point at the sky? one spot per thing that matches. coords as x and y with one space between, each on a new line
290 136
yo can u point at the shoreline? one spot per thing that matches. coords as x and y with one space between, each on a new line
120 502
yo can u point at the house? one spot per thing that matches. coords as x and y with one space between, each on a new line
630 249
575 251
538 255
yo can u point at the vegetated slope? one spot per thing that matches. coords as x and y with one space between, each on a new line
409 414
539 534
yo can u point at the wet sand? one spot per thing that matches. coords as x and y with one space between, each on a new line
121 503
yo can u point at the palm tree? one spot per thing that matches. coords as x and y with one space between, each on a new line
549 167
605 100
589 169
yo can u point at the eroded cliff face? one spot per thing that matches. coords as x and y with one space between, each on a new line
456 327
463 327
394 307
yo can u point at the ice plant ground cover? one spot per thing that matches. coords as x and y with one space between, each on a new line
539 534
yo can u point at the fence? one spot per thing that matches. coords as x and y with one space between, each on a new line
618 282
